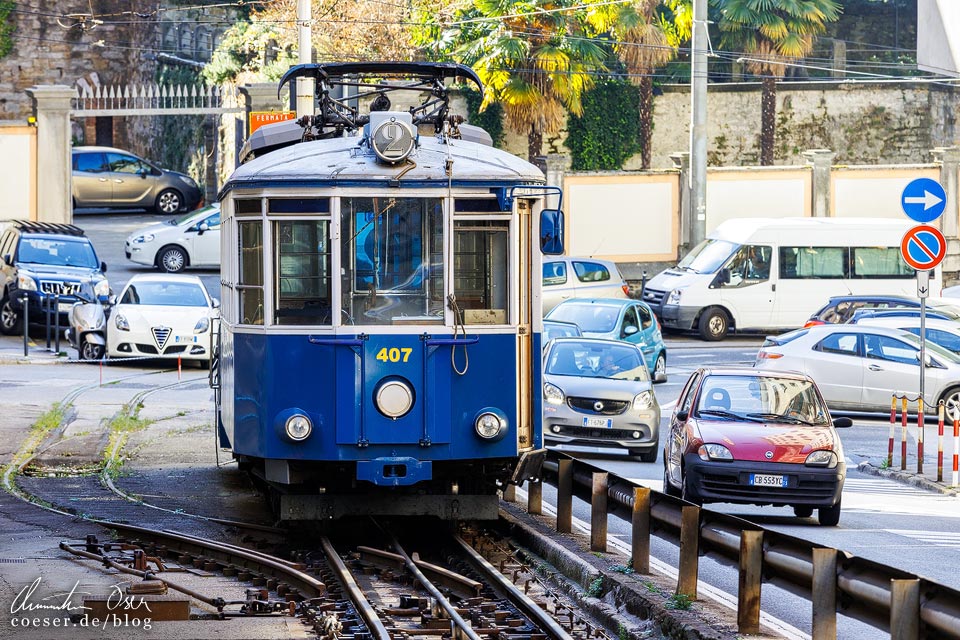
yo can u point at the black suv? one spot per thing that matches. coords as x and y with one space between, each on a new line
44 260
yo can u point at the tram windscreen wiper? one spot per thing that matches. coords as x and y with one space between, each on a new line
780 417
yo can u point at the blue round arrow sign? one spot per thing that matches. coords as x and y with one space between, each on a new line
923 200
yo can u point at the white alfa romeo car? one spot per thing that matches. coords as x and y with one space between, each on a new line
162 316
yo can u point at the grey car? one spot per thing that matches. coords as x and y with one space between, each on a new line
598 392
108 177
859 368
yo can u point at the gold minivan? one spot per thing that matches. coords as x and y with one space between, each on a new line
566 277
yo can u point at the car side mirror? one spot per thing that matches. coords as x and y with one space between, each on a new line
629 331
103 267
215 302
8 258
928 361
203 227
842 423
551 232
112 300
681 416
723 276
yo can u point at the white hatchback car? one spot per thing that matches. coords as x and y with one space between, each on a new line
192 240
162 316
566 277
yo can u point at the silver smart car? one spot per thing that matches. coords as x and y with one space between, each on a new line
598 392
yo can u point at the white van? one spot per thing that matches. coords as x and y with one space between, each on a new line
770 274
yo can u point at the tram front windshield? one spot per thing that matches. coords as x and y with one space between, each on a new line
392 260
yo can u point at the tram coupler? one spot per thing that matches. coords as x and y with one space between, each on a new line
529 467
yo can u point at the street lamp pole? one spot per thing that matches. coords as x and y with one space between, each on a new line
698 125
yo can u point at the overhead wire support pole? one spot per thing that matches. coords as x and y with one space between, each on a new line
305 87
698 123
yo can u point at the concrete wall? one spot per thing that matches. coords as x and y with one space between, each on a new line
18 172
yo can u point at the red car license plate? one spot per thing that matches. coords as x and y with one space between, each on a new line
766 480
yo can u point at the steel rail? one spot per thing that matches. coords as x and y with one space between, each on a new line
374 624
538 615
462 627
863 586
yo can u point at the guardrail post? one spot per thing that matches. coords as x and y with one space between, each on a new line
26 324
56 324
689 551
45 304
535 497
565 496
905 609
824 594
751 574
598 512
510 493
640 538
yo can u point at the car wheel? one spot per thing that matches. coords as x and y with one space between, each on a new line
11 323
829 516
169 201
668 488
660 367
91 351
803 511
172 259
714 324
951 403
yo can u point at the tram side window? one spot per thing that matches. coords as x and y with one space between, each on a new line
302 269
250 284
481 270
392 260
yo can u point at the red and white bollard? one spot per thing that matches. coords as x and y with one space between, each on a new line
956 452
179 368
893 427
920 435
903 435
940 442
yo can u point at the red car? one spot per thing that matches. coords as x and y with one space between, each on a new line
746 436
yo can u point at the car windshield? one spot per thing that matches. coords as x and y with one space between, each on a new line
932 348
553 330
169 294
761 399
946 307
63 253
707 256
193 216
591 318
596 360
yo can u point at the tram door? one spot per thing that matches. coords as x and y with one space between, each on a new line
525 329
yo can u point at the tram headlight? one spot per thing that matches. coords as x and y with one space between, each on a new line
298 427
489 425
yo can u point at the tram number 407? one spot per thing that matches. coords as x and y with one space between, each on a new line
394 354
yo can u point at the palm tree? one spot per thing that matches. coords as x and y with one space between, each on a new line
772 34
533 59
645 36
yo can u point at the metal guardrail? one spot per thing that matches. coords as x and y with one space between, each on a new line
901 603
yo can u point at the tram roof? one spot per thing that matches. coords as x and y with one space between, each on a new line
343 162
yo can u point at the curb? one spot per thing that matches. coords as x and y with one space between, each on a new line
911 479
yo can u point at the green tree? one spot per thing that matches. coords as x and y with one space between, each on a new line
771 35
645 35
534 57
607 133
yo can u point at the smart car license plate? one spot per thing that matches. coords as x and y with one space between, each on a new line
597 422
764 480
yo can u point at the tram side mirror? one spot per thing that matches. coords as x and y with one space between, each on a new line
551 232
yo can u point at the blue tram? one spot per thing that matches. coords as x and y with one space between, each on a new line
379 345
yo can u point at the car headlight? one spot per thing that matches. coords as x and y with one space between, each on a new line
26 283
552 393
489 425
145 238
202 325
122 323
643 401
822 458
188 180
709 452
298 427
102 288
674 297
